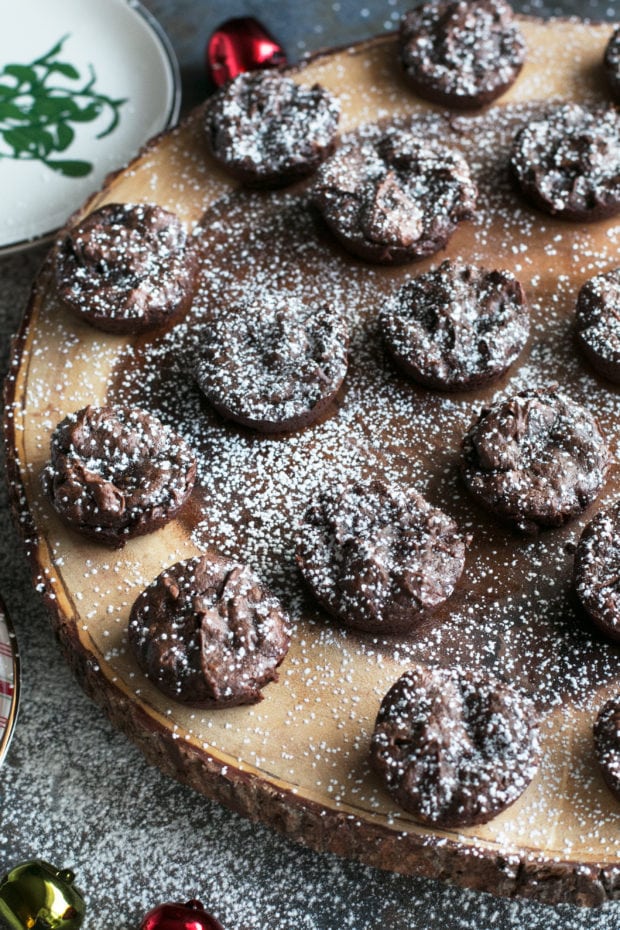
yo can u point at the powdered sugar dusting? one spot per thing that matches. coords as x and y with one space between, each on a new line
598 322
125 266
569 162
462 50
514 612
393 197
597 570
612 62
266 127
378 557
457 327
273 363
454 747
515 615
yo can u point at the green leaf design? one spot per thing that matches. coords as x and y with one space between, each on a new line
30 140
62 67
71 169
37 107
9 111
54 109
88 113
64 137
55 50
23 73
115 119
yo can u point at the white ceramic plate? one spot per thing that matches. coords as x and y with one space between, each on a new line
83 84
9 682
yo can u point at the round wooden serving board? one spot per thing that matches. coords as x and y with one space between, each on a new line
298 760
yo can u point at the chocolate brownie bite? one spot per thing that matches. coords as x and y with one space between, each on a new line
126 268
606 733
568 164
273 364
379 558
394 198
535 460
461 55
454 747
611 63
117 472
267 130
597 571
208 633
598 323
457 327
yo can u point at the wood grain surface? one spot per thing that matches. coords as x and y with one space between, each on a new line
298 760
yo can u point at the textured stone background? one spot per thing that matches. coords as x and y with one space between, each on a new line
75 792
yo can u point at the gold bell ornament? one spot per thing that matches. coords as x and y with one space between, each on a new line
35 895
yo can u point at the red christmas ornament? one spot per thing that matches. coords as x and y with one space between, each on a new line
240 45
190 916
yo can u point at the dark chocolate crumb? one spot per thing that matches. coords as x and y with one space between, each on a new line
461 54
568 164
456 327
273 364
607 743
536 459
126 268
208 633
379 558
267 130
394 197
454 747
117 472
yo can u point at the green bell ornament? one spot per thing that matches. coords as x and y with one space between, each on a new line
37 896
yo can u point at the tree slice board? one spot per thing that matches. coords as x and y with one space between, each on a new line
298 760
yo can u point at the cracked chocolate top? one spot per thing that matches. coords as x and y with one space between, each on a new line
454 747
598 323
607 743
568 164
394 198
535 459
456 327
126 268
461 54
379 558
597 570
266 129
273 364
611 63
208 633
117 472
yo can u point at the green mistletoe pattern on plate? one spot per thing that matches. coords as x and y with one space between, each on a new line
37 111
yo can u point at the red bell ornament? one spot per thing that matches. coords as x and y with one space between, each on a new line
190 916
240 45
